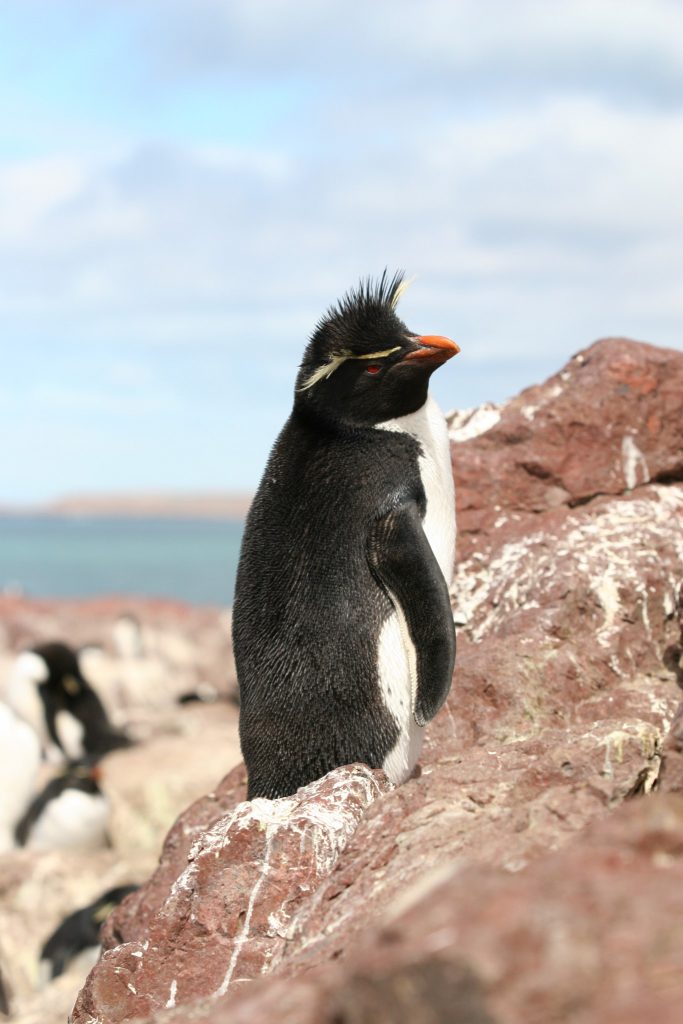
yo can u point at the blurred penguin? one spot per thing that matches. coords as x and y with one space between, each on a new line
127 636
71 811
205 693
79 933
4 996
19 764
49 691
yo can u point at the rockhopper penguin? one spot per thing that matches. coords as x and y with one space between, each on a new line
342 626
48 690
78 932
70 811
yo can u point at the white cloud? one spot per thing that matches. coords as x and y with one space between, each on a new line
567 202
497 45
31 189
522 159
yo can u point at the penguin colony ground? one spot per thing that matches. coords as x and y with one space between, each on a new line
342 626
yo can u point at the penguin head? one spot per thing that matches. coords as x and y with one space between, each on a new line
63 674
363 365
85 774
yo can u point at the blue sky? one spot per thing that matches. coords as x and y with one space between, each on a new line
185 187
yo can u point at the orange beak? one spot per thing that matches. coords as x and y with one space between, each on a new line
433 347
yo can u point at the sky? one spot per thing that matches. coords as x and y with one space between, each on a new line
185 187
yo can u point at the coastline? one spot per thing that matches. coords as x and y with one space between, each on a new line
215 505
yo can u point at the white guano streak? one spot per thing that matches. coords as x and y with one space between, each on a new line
170 1002
244 934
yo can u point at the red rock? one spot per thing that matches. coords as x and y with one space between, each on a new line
227 912
610 421
587 935
523 874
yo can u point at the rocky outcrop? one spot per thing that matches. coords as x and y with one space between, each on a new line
244 887
528 872
671 776
610 421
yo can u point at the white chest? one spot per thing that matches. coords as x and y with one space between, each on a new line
73 819
19 764
71 733
396 659
428 427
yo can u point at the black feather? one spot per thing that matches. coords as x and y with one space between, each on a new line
81 929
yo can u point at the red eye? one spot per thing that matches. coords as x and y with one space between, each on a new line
373 368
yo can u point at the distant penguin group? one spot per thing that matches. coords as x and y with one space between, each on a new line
50 711
51 715
342 626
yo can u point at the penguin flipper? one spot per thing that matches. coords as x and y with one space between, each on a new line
401 558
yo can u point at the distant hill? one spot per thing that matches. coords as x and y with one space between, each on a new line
201 506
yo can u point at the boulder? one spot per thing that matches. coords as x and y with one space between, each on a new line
610 421
227 915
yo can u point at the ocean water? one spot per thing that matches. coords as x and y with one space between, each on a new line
193 560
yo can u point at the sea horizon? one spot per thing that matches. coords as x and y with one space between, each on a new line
79 556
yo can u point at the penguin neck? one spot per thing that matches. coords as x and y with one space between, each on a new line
317 414
322 421
420 423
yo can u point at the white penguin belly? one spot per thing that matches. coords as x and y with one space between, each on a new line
73 819
19 764
21 692
428 427
397 668
71 733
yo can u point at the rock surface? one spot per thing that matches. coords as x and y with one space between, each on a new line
528 873
246 880
610 421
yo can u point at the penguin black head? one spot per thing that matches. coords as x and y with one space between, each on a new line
53 670
362 364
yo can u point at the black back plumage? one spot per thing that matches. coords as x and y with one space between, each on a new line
81 930
66 689
308 609
4 996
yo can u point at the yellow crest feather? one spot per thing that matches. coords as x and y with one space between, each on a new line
335 361
400 291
